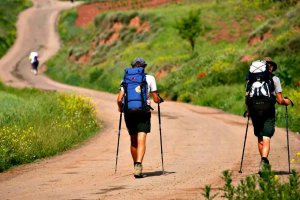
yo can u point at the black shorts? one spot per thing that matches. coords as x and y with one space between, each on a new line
138 122
35 65
264 125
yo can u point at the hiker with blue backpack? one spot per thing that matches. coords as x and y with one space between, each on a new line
134 101
263 90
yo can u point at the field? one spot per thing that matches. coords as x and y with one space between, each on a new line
36 124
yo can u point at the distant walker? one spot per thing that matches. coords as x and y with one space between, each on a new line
33 57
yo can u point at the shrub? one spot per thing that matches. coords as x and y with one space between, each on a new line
252 187
189 28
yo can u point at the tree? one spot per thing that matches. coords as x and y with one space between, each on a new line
189 27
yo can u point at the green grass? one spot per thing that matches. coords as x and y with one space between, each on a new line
268 186
201 77
36 124
9 10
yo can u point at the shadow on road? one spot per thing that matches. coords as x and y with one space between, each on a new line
282 173
156 173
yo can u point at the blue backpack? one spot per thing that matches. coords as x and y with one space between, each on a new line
136 89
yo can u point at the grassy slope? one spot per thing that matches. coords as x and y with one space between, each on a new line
201 77
35 124
8 18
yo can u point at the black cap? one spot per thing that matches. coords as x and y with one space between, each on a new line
140 62
269 61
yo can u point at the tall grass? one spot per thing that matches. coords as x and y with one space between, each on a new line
201 77
36 124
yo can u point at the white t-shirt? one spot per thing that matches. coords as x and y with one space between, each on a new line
32 56
277 85
151 83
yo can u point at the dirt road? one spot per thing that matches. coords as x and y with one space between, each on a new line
198 142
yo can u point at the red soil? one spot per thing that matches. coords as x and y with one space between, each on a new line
87 12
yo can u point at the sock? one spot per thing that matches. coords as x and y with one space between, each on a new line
265 160
137 163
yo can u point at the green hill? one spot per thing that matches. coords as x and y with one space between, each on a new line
234 33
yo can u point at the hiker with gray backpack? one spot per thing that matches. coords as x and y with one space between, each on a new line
134 101
263 90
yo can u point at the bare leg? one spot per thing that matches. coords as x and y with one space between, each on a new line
260 145
266 147
141 147
133 146
138 146
138 149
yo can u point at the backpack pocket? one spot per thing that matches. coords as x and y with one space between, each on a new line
261 107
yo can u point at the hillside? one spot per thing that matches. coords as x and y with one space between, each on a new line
233 34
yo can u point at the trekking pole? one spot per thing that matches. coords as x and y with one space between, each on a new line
287 132
159 122
244 142
120 122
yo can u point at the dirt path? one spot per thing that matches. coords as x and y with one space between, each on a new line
199 143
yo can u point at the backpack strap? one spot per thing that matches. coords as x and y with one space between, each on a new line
124 85
271 82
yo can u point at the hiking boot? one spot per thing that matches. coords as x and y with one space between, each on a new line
264 165
138 170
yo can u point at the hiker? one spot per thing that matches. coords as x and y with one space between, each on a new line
262 111
33 57
138 122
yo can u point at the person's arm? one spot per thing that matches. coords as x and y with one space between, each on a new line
282 101
155 97
153 89
278 90
119 100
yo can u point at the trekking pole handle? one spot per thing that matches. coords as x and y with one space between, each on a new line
161 99
292 104
245 113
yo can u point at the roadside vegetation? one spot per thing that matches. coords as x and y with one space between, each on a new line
233 34
8 18
252 187
35 124
268 186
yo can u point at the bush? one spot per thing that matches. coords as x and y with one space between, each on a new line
252 187
189 28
